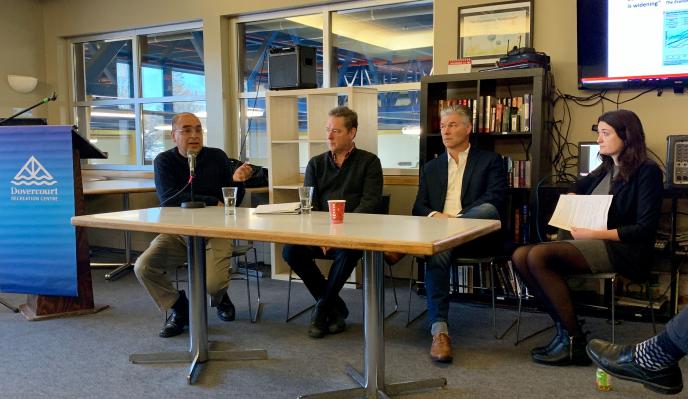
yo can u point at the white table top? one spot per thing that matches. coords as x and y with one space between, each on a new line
407 234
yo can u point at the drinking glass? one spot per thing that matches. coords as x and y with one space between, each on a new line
230 196
306 198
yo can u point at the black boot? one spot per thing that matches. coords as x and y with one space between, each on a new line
336 320
340 305
540 350
318 327
178 318
225 309
570 350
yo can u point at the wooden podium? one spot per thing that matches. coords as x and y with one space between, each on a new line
49 306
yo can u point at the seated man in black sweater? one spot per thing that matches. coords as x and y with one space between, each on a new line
348 173
214 170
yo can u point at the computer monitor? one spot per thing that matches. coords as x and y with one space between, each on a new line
588 157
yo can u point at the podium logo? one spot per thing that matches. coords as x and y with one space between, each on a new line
33 174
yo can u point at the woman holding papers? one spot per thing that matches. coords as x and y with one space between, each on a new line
625 247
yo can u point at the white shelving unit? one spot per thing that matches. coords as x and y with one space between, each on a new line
286 143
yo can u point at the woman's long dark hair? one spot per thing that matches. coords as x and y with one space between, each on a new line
630 130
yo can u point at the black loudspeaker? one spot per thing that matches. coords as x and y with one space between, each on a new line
291 68
677 161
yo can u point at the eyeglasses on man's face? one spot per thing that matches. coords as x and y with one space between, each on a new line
334 131
187 130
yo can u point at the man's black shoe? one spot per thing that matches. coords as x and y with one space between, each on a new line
225 309
336 321
340 305
178 318
318 326
617 360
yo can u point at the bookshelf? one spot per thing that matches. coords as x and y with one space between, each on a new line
290 141
521 137
509 111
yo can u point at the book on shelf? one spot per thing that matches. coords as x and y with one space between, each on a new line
493 115
287 208
521 224
518 172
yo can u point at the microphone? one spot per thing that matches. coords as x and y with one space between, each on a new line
49 98
191 157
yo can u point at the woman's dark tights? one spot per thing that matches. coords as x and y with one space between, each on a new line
544 267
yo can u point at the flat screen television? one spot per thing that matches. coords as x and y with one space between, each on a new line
632 43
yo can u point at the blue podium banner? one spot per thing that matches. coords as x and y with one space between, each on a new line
37 240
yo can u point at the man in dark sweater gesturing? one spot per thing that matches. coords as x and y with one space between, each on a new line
348 173
214 170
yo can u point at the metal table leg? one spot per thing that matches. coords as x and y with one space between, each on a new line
372 380
127 266
198 353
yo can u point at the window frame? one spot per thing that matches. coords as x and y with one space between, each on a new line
328 66
78 107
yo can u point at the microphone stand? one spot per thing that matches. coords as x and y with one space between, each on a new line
192 204
43 101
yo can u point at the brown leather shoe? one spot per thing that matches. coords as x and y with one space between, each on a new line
441 350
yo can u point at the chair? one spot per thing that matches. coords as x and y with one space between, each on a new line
239 251
599 276
242 251
384 209
472 256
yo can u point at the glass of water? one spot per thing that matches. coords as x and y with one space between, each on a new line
306 198
230 196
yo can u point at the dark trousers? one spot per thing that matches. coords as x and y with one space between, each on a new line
677 328
326 291
438 267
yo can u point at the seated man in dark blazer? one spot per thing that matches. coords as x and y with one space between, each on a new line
462 182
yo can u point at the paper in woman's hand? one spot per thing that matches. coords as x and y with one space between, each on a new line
583 211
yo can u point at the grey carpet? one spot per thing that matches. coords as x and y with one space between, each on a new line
87 356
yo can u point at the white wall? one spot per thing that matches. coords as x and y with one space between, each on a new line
22 43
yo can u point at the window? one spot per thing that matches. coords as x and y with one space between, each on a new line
129 85
387 46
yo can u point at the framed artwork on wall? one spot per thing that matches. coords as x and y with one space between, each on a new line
489 31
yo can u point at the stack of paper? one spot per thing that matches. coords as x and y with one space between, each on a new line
583 211
289 208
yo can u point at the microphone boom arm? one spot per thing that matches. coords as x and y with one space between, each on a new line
45 100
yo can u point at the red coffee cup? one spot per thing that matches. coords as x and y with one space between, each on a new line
336 211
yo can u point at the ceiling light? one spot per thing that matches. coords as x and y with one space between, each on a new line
113 114
411 130
369 32
254 112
